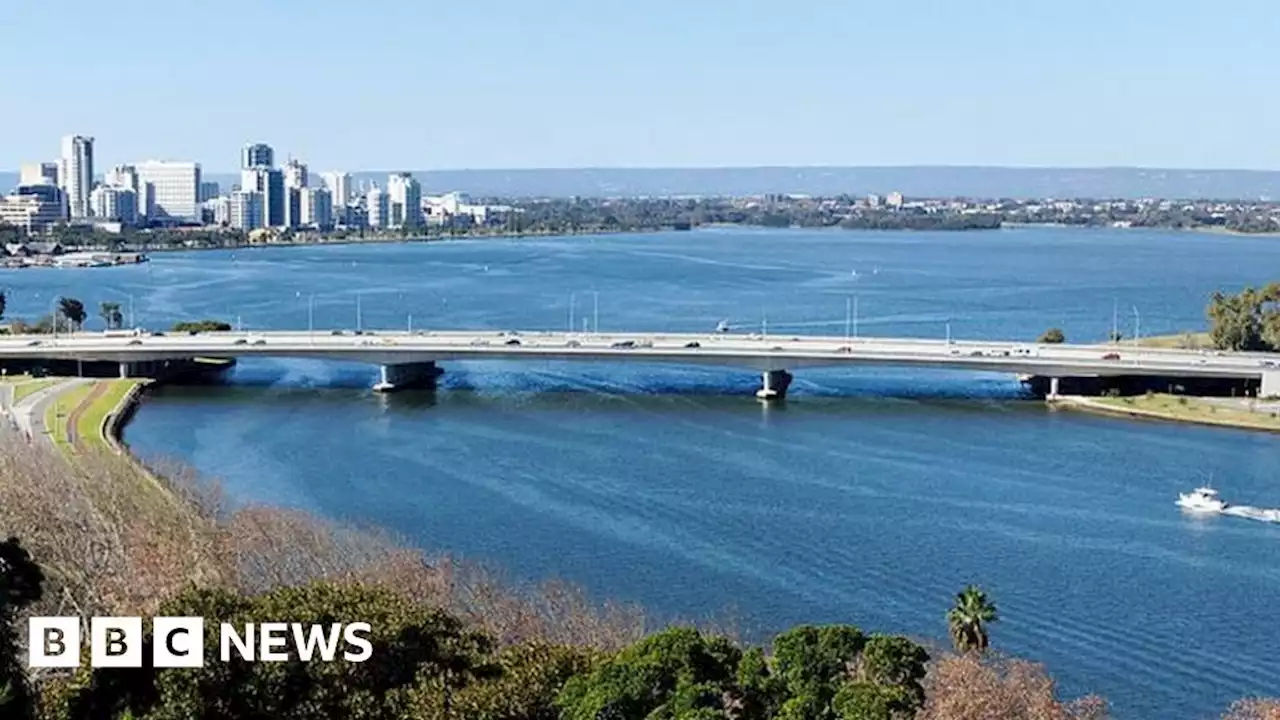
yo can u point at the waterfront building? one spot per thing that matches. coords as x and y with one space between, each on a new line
114 203
894 200
269 182
317 208
339 186
75 174
245 210
873 200
41 173
34 208
173 190
405 200
257 155
376 205
209 190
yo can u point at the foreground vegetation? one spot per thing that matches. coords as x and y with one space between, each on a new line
450 641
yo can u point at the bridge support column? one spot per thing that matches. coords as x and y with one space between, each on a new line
774 384
406 376
1053 388
1270 384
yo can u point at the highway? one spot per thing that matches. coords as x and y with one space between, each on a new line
757 352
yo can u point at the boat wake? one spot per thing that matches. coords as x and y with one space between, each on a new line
1271 515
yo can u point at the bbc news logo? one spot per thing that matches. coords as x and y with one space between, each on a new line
178 642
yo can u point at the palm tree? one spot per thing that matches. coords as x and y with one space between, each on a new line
111 315
967 620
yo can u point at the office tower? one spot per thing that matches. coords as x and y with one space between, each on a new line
114 203
269 182
339 186
376 202
41 173
33 208
257 155
317 208
295 174
173 190
75 173
247 210
405 200
209 190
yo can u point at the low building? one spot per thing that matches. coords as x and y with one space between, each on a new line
33 208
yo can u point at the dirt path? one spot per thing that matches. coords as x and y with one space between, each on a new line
73 420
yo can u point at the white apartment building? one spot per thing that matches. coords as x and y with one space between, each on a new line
75 173
174 189
42 173
220 209
339 186
405 200
126 176
114 203
376 206
247 210
317 208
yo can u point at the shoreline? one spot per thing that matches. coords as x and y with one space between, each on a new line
1098 406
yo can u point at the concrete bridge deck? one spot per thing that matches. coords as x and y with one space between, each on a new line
404 356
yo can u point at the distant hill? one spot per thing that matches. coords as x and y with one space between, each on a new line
985 182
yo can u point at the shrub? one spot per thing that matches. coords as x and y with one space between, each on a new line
1052 336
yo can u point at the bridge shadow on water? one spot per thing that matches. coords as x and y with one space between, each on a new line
567 386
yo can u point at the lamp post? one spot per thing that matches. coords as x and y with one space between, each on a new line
948 331
595 310
359 312
848 319
572 298
1137 325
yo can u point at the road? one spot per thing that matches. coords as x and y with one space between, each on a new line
759 352
29 413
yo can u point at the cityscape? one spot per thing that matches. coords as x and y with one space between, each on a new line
172 194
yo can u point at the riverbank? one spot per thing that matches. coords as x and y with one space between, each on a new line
1241 413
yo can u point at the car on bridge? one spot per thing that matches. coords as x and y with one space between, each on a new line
1111 356
623 345
692 344
512 341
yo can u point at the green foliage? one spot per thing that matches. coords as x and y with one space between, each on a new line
201 326
1247 320
410 643
72 311
111 315
4 298
677 674
1052 336
530 677
968 619
871 701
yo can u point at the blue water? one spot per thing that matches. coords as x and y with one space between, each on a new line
871 497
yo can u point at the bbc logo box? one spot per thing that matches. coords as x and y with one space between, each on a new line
178 642
55 642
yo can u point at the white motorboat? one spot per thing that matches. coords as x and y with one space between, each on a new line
1202 499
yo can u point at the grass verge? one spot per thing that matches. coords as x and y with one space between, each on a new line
59 412
89 428
1181 341
25 389
1185 409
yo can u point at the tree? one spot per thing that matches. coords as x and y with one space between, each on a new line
1115 336
968 619
1234 320
72 310
1052 336
111 315
3 302
21 583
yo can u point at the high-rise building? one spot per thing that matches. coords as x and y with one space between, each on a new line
257 155
173 188
75 173
295 174
209 190
269 182
405 200
126 176
339 185
42 173
376 206
114 203
218 210
246 210
317 208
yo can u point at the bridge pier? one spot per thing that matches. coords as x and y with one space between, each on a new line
406 376
1053 389
774 384
1270 384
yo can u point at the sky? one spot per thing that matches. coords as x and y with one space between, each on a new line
422 84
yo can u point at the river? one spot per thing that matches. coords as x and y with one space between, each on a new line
871 497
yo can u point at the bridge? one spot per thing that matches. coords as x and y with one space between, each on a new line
409 359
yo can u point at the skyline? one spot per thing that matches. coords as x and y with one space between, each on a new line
572 85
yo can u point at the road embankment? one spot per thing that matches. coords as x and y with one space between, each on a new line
1242 413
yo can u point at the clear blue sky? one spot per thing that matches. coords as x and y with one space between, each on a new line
422 84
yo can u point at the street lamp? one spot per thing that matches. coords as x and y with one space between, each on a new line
572 298
1137 325
359 312
948 331
595 310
